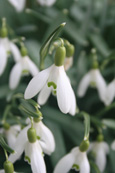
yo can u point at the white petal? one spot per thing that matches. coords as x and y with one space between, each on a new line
72 110
83 85
15 51
65 164
36 157
11 139
101 159
113 145
2 171
15 76
68 63
100 84
19 5
46 2
84 166
110 93
63 91
46 138
19 145
44 95
37 83
105 146
32 67
3 59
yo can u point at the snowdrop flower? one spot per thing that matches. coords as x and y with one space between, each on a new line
19 5
6 46
34 145
110 93
53 79
100 149
113 145
23 66
76 159
10 133
93 78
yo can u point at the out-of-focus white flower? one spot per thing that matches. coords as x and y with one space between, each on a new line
46 141
6 47
100 149
113 145
18 4
110 93
68 63
34 150
46 2
11 134
93 78
53 79
74 160
23 66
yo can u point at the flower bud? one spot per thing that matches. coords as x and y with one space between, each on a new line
8 167
4 32
24 51
100 138
84 145
32 137
6 126
69 50
60 56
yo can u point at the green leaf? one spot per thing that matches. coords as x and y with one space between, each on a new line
27 111
109 123
4 145
45 47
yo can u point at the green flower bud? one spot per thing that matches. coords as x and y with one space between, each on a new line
95 65
8 167
84 145
36 120
100 138
60 56
70 50
32 137
4 32
24 51
6 126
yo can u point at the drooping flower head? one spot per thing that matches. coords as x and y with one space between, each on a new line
23 67
55 80
10 133
76 159
34 141
7 47
93 78
100 150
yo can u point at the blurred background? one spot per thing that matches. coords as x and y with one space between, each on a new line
89 24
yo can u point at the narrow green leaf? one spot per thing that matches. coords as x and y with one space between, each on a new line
4 145
45 47
27 111
95 167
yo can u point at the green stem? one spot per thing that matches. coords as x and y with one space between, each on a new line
6 155
106 109
6 112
